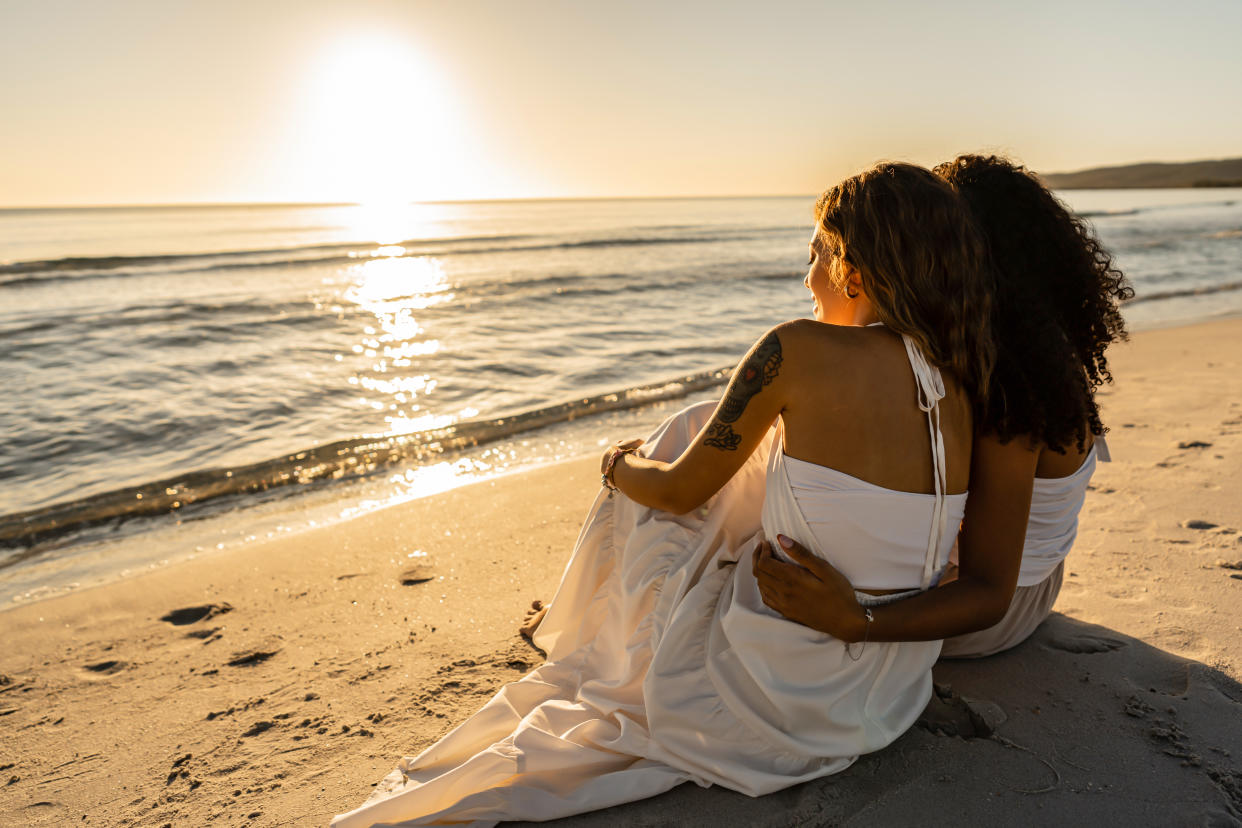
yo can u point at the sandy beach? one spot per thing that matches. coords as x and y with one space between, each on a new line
274 684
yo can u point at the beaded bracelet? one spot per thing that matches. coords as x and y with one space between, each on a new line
606 477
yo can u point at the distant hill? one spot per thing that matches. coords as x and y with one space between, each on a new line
1223 173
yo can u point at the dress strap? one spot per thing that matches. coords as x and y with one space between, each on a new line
930 393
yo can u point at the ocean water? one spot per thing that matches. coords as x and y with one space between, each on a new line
201 376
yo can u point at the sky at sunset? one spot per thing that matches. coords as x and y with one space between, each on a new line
174 101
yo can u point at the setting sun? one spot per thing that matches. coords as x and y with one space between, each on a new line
379 125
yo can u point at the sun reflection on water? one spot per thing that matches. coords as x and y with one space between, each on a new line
404 424
390 223
393 287
387 285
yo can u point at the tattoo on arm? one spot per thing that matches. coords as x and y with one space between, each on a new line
759 369
723 437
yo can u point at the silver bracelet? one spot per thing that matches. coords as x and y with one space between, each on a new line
866 633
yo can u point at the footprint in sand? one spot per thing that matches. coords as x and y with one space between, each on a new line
106 668
246 658
420 574
1085 644
257 728
10 683
1198 524
949 714
254 655
1236 566
192 615
1193 444
180 770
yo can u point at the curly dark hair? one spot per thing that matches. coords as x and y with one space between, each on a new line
1055 308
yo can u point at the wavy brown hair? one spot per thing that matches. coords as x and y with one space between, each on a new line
1055 309
922 261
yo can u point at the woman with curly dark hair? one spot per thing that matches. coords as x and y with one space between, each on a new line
1038 428
1055 312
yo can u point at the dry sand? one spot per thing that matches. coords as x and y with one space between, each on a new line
314 662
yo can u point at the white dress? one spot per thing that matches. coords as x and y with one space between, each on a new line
1050 532
664 665
1053 522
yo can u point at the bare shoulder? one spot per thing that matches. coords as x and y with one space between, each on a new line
822 335
795 344
811 346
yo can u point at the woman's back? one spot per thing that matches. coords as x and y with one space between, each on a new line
861 488
779 702
856 409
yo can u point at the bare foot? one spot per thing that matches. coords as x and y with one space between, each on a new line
538 609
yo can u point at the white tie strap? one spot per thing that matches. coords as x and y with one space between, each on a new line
930 392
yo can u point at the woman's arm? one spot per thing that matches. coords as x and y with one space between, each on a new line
990 554
754 399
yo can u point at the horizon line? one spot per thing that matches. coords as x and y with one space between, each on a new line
225 204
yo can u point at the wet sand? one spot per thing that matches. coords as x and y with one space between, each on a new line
274 684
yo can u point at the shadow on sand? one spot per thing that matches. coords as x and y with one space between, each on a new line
1080 725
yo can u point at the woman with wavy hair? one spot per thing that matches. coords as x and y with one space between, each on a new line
664 664
1054 312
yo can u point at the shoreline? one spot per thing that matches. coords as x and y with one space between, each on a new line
247 528
98 558
107 553
333 652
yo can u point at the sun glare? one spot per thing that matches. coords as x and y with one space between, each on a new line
389 223
381 129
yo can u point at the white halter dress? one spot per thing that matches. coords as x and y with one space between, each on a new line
664 665
1050 533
